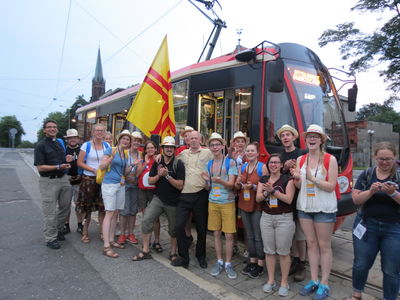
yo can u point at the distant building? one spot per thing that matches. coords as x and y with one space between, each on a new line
98 82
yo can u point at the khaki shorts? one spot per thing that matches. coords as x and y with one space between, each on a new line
277 233
222 217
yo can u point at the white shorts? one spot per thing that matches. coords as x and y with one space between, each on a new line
113 196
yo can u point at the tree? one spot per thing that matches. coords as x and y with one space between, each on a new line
364 49
64 119
380 113
26 144
6 123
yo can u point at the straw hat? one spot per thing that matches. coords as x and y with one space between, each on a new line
137 135
314 128
168 141
216 136
187 129
239 135
287 127
71 133
124 132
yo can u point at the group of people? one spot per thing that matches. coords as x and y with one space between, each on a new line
286 205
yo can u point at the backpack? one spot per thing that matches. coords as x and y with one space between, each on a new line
175 164
227 164
366 183
89 145
61 142
259 168
327 159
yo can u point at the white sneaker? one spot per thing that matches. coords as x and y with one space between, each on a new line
217 269
230 272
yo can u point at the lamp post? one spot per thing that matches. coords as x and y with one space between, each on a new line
371 133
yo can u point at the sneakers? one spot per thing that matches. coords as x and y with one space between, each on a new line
309 288
132 239
230 271
256 272
66 229
121 239
217 269
268 287
60 236
300 272
53 245
283 291
80 228
247 269
322 292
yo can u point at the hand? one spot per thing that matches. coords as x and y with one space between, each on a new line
146 159
205 176
375 187
65 166
289 164
295 174
162 171
388 188
248 186
309 175
268 187
216 179
69 158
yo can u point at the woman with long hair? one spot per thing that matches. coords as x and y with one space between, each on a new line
115 160
89 196
146 190
250 210
316 176
377 225
276 192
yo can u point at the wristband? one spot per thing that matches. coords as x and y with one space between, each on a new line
58 167
394 194
254 187
167 177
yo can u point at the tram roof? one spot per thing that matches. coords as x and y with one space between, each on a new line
218 63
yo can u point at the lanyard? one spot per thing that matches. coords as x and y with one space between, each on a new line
248 167
316 171
122 157
220 169
97 155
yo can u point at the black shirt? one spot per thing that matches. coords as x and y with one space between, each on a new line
279 185
380 206
49 151
164 190
292 155
73 171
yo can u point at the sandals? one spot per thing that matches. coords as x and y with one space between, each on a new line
173 256
116 245
157 247
107 251
85 239
142 256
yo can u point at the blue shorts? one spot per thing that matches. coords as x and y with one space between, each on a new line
318 217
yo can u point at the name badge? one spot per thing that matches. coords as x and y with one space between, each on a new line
216 191
246 195
310 190
359 231
273 202
122 182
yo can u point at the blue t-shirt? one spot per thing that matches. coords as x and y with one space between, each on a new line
117 167
220 194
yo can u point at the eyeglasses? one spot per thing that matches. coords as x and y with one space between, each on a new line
382 159
51 127
274 162
215 145
99 130
313 136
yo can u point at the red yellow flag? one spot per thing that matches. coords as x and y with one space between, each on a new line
152 111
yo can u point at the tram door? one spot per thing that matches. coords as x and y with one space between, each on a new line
224 112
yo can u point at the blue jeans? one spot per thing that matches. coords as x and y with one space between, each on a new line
383 237
251 222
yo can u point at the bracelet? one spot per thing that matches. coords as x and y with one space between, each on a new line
167 177
254 187
58 167
394 194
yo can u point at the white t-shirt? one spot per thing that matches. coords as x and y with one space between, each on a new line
93 159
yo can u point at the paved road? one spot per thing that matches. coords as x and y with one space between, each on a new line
29 270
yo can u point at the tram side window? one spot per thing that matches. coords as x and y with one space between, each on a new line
278 112
180 96
242 110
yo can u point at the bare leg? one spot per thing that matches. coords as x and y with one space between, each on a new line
218 244
113 225
146 242
106 227
174 248
271 261
85 229
285 266
324 234
228 246
123 224
312 246
157 229
131 224
101 216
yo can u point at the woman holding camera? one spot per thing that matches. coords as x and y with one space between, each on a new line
377 225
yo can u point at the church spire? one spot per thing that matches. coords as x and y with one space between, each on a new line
98 82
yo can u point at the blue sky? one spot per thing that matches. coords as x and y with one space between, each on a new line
35 68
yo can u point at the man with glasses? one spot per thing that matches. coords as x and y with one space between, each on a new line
194 198
50 160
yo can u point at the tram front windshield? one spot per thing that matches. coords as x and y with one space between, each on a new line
318 103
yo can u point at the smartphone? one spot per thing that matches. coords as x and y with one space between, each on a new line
392 183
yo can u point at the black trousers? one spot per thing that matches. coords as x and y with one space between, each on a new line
197 203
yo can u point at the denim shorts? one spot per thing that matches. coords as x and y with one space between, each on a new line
318 217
